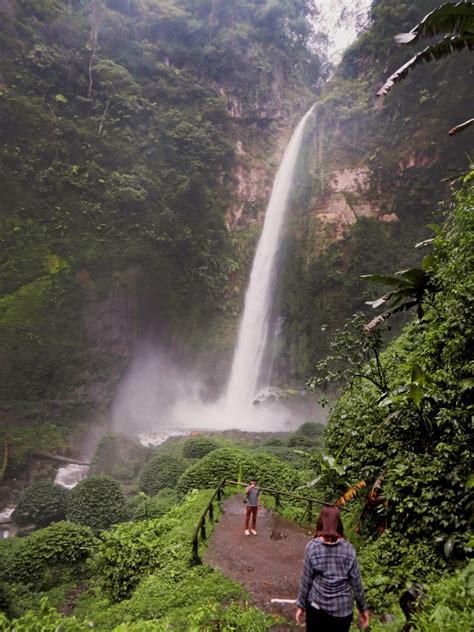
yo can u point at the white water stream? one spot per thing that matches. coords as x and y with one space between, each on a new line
70 475
253 334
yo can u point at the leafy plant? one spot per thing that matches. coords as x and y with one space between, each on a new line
417 430
47 620
354 354
33 559
118 456
156 506
162 471
197 447
412 288
126 554
41 504
97 502
456 21
228 462
449 606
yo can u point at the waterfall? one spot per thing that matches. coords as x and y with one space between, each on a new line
253 333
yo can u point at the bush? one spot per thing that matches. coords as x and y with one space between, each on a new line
32 559
229 463
159 593
157 506
215 466
97 502
274 442
161 471
126 554
133 550
272 472
119 457
41 504
300 441
391 563
47 620
197 447
449 606
311 430
162 593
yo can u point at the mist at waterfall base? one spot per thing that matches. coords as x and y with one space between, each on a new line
157 399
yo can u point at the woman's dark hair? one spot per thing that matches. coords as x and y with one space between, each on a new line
329 525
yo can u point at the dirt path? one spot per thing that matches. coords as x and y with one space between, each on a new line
268 565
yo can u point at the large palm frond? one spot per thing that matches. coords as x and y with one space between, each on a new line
456 21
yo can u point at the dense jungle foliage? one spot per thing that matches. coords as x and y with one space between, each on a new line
118 151
396 158
412 439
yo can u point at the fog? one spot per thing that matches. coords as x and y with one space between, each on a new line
157 396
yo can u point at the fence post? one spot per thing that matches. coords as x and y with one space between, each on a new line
196 559
211 512
277 501
203 529
310 511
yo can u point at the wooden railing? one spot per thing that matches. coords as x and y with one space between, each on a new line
201 525
200 531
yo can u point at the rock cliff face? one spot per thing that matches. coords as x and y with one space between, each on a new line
374 176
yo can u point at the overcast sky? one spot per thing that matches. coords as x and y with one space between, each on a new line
341 20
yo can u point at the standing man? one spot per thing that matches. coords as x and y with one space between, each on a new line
253 504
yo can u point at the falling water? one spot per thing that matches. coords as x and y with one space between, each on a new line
70 475
253 333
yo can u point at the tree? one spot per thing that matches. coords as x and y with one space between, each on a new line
354 354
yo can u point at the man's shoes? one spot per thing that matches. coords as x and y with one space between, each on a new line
254 532
247 532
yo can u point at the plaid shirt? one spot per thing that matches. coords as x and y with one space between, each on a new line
330 573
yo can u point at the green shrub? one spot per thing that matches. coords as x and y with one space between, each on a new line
33 560
391 564
273 442
4 597
41 504
97 502
171 590
197 447
228 463
449 606
215 616
215 466
47 620
206 616
161 471
156 506
272 472
119 457
300 441
132 550
126 554
311 430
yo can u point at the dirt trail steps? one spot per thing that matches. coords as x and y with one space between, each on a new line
267 565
